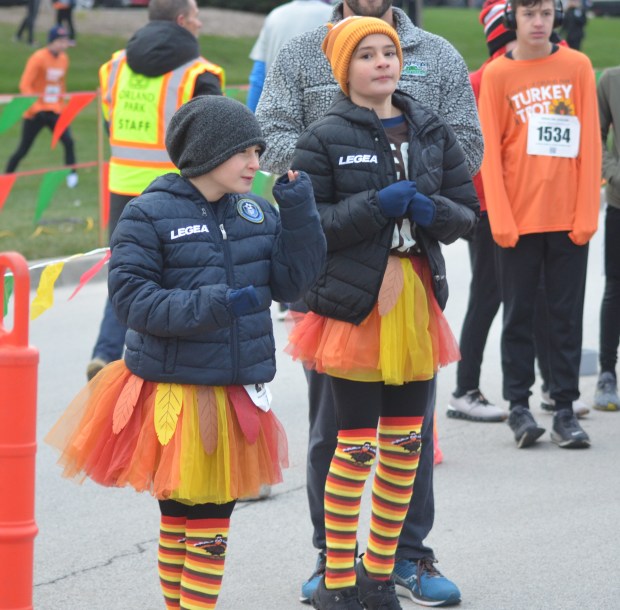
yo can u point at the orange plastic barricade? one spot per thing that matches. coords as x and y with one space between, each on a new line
18 398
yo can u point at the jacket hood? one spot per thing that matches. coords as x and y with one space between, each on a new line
160 47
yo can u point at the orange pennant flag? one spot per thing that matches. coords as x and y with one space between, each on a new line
91 273
70 111
6 184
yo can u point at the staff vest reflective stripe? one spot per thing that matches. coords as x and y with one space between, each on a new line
138 110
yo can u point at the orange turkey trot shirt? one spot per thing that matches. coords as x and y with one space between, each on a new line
542 161
44 75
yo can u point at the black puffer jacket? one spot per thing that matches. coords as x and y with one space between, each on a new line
358 235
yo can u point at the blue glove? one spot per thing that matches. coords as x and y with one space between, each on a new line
394 199
243 301
422 210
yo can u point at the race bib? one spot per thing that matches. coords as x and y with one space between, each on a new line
260 395
51 94
553 135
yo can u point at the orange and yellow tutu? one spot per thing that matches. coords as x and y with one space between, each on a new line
193 444
405 337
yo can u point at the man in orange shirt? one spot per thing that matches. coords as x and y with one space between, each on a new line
541 173
44 75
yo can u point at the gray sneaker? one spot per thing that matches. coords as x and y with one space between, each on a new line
473 406
567 433
525 428
547 404
606 396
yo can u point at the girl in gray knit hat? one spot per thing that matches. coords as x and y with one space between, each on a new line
196 261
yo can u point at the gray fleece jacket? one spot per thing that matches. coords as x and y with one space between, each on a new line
300 88
609 112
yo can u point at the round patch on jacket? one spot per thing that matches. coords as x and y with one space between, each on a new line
250 211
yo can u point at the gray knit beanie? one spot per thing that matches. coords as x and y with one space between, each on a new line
208 130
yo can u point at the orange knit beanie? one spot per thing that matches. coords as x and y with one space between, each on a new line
342 39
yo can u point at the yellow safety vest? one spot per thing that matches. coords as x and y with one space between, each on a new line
138 109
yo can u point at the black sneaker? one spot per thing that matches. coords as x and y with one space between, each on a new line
567 433
376 594
338 599
525 428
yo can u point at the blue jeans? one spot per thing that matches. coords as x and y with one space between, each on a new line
111 339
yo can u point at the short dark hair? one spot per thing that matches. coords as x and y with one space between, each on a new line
167 10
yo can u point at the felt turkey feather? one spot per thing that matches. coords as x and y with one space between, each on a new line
392 285
168 402
126 403
246 410
207 418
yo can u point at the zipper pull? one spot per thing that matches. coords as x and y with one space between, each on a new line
223 230
204 211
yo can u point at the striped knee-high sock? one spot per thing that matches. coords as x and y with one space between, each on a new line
206 543
392 488
347 474
170 558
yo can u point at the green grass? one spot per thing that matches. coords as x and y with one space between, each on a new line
462 28
64 227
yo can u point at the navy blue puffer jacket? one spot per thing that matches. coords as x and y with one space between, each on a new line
176 258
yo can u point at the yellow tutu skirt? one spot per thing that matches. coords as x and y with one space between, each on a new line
193 444
405 337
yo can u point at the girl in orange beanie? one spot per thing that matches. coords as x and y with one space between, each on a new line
390 182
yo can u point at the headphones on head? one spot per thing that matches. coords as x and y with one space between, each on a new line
510 19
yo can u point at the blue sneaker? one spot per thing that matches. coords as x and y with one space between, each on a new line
309 587
422 582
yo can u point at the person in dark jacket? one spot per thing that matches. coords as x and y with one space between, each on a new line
196 261
161 63
390 181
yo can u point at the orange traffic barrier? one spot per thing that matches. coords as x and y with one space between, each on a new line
18 398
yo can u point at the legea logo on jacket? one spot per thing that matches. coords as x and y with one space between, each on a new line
357 159
183 231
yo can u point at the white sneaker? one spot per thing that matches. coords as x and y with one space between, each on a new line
475 407
580 409
72 180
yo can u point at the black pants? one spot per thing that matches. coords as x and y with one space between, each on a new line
610 306
359 405
30 130
65 16
482 307
28 22
172 508
564 266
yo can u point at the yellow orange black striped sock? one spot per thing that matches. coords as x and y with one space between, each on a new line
170 558
347 474
399 441
206 543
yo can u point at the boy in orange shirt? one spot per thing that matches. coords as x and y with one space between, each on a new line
541 173
44 75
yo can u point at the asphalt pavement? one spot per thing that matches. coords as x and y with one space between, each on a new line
515 529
